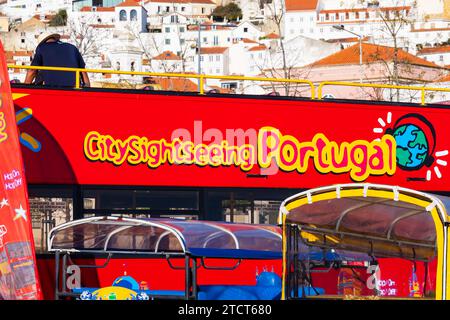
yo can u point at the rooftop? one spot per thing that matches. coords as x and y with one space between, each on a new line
167 55
130 3
261 47
271 36
213 50
433 50
371 53
301 5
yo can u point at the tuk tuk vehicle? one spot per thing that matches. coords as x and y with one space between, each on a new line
380 221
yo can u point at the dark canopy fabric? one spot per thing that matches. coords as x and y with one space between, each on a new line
202 238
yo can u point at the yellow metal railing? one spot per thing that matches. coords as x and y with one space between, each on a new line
201 77
381 86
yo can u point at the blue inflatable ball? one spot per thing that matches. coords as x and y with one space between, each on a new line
268 279
237 294
126 282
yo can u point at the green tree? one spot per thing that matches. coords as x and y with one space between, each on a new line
60 19
231 12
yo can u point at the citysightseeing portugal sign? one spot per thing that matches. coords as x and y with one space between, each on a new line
409 146
359 158
18 273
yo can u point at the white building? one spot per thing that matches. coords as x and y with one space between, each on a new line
126 56
194 10
21 10
131 14
316 19
438 55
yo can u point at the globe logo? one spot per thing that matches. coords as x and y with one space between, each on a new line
412 147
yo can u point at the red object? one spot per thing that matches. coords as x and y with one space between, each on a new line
18 271
93 138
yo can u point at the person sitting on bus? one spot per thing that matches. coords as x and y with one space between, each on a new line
51 52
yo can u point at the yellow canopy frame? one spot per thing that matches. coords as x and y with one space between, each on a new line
387 221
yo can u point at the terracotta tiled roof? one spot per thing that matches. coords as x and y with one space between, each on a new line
130 3
301 5
167 55
213 50
444 79
271 36
12 54
176 84
247 40
430 30
371 53
443 49
261 47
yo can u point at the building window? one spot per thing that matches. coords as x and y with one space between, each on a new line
123 15
174 19
167 30
203 10
322 18
182 41
245 29
217 57
441 58
167 41
202 58
182 9
181 29
133 15
211 58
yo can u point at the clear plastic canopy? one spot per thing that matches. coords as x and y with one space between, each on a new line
376 219
202 238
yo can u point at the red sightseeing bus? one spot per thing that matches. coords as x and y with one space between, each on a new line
135 153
